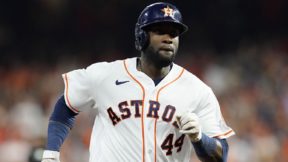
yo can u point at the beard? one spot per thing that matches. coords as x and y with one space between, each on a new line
159 58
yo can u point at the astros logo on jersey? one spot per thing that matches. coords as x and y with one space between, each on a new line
168 11
125 108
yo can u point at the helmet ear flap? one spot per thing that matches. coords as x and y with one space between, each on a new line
141 38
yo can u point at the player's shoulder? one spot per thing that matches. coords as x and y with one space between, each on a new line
98 69
114 66
192 79
189 75
104 65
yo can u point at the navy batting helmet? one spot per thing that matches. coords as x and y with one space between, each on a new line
160 12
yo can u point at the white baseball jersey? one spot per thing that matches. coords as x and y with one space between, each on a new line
136 120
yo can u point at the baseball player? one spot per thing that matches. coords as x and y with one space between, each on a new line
149 109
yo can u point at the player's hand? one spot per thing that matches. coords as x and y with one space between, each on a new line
51 156
189 125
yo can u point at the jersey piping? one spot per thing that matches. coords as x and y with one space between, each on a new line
65 77
142 110
155 124
225 135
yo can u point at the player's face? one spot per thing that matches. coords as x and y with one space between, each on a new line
163 44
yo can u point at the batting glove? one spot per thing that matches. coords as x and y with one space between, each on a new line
189 125
51 156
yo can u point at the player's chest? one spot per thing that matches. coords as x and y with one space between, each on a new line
125 99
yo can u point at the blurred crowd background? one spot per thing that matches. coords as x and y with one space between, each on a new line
238 47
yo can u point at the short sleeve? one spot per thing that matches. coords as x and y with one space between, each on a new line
211 119
77 90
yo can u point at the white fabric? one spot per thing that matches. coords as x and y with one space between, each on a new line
122 130
50 160
50 156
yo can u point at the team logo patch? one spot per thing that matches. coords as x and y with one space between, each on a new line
168 11
117 82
